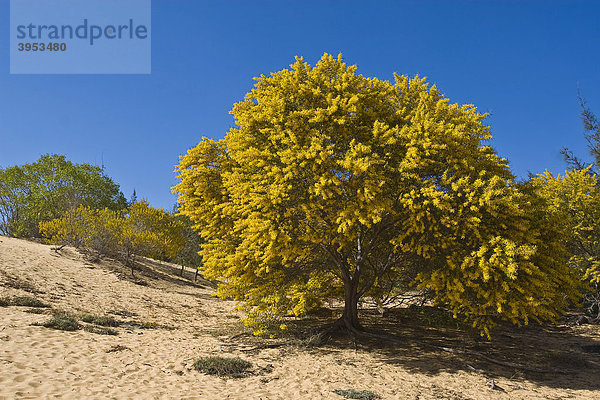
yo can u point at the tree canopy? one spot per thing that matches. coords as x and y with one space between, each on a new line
46 188
332 182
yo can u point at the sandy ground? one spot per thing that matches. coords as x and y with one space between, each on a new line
188 322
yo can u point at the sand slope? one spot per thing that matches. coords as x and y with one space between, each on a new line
37 362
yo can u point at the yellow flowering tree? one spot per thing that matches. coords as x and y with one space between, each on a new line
574 200
150 232
333 181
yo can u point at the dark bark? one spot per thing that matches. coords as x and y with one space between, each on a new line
350 316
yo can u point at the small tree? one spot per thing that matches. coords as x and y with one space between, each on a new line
591 127
333 182
150 232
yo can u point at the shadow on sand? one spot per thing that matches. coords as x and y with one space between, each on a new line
569 356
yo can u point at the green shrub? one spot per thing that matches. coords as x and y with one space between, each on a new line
61 321
100 320
222 366
25 301
22 301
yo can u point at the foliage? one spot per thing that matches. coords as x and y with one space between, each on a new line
574 201
333 182
222 366
150 232
84 227
62 321
45 189
100 320
140 230
591 125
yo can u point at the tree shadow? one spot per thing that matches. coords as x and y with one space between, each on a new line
423 341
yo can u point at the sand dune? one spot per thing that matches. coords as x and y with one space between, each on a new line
188 322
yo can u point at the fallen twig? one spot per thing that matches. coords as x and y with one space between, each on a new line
516 386
240 335
495 387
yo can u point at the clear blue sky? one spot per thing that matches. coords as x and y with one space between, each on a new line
521 61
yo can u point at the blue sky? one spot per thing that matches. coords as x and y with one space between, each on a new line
520 61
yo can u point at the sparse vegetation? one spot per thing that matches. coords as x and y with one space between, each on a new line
26 301
231 327
144 325
117 347
313 340
123 313
100 320
65 321
22 301
100 330
356 394
147 325
15 282
36 311
567 359
62 321
233 367
140 230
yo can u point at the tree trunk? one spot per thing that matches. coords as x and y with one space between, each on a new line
350 317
